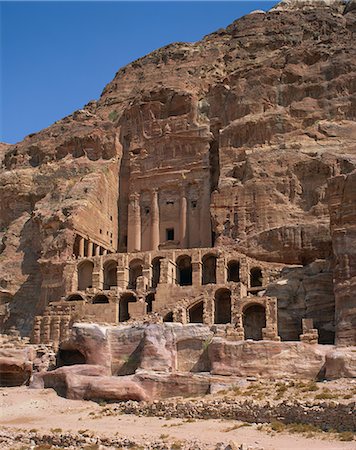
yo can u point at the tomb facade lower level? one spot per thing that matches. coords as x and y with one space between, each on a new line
221 288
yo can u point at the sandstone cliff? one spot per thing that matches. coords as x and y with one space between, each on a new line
273 96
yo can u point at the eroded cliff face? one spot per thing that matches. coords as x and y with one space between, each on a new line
267 105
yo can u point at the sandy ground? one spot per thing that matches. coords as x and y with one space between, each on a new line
43 410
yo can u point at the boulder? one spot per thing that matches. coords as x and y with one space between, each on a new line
267 359
341 363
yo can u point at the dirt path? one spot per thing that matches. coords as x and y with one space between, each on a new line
43 410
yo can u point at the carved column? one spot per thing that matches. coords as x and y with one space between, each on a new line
154 220
81 246
36 332
46 330
97 250
134 224
64 327
55 329
221 277
205 220
90 248
183 235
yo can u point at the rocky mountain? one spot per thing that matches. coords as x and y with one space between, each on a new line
273 94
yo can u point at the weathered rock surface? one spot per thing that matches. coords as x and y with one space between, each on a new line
267 359
305 292
341 363
273 94
342 201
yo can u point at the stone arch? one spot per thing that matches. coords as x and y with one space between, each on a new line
209 269
156 271
74 298
135 271
184 270
110 274
168 317
222 306
196 312
85 275
100 298
233 271
254 320
125 299
255 277
150 298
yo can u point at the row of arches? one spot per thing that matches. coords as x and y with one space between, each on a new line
254 316
184 272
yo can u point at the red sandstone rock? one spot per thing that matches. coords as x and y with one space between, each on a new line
16 365
341 363
266 108
267 359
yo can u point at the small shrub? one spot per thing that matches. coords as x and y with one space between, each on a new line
310 387
236 390
277 426
346 436
164 436
326 395
113 116
56 430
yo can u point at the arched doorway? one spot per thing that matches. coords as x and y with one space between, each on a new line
184 270
125 299
254 320
135 271
156 271
85 275
196 313
209 269
255 277
150 298
100 298
110 274
222 306
233 271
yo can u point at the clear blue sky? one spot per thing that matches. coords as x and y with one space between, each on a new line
57 56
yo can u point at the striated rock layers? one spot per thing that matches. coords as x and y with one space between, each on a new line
129 362
268 105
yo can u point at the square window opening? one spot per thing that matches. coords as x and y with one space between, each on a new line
170 234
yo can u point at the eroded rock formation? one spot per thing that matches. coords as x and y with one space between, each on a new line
243 142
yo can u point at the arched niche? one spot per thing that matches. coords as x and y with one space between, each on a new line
209 269
255 277
85 275
184 270
110 274
222 306
100 298
74 298
196 312
233 271
254 320
168 317
135 271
